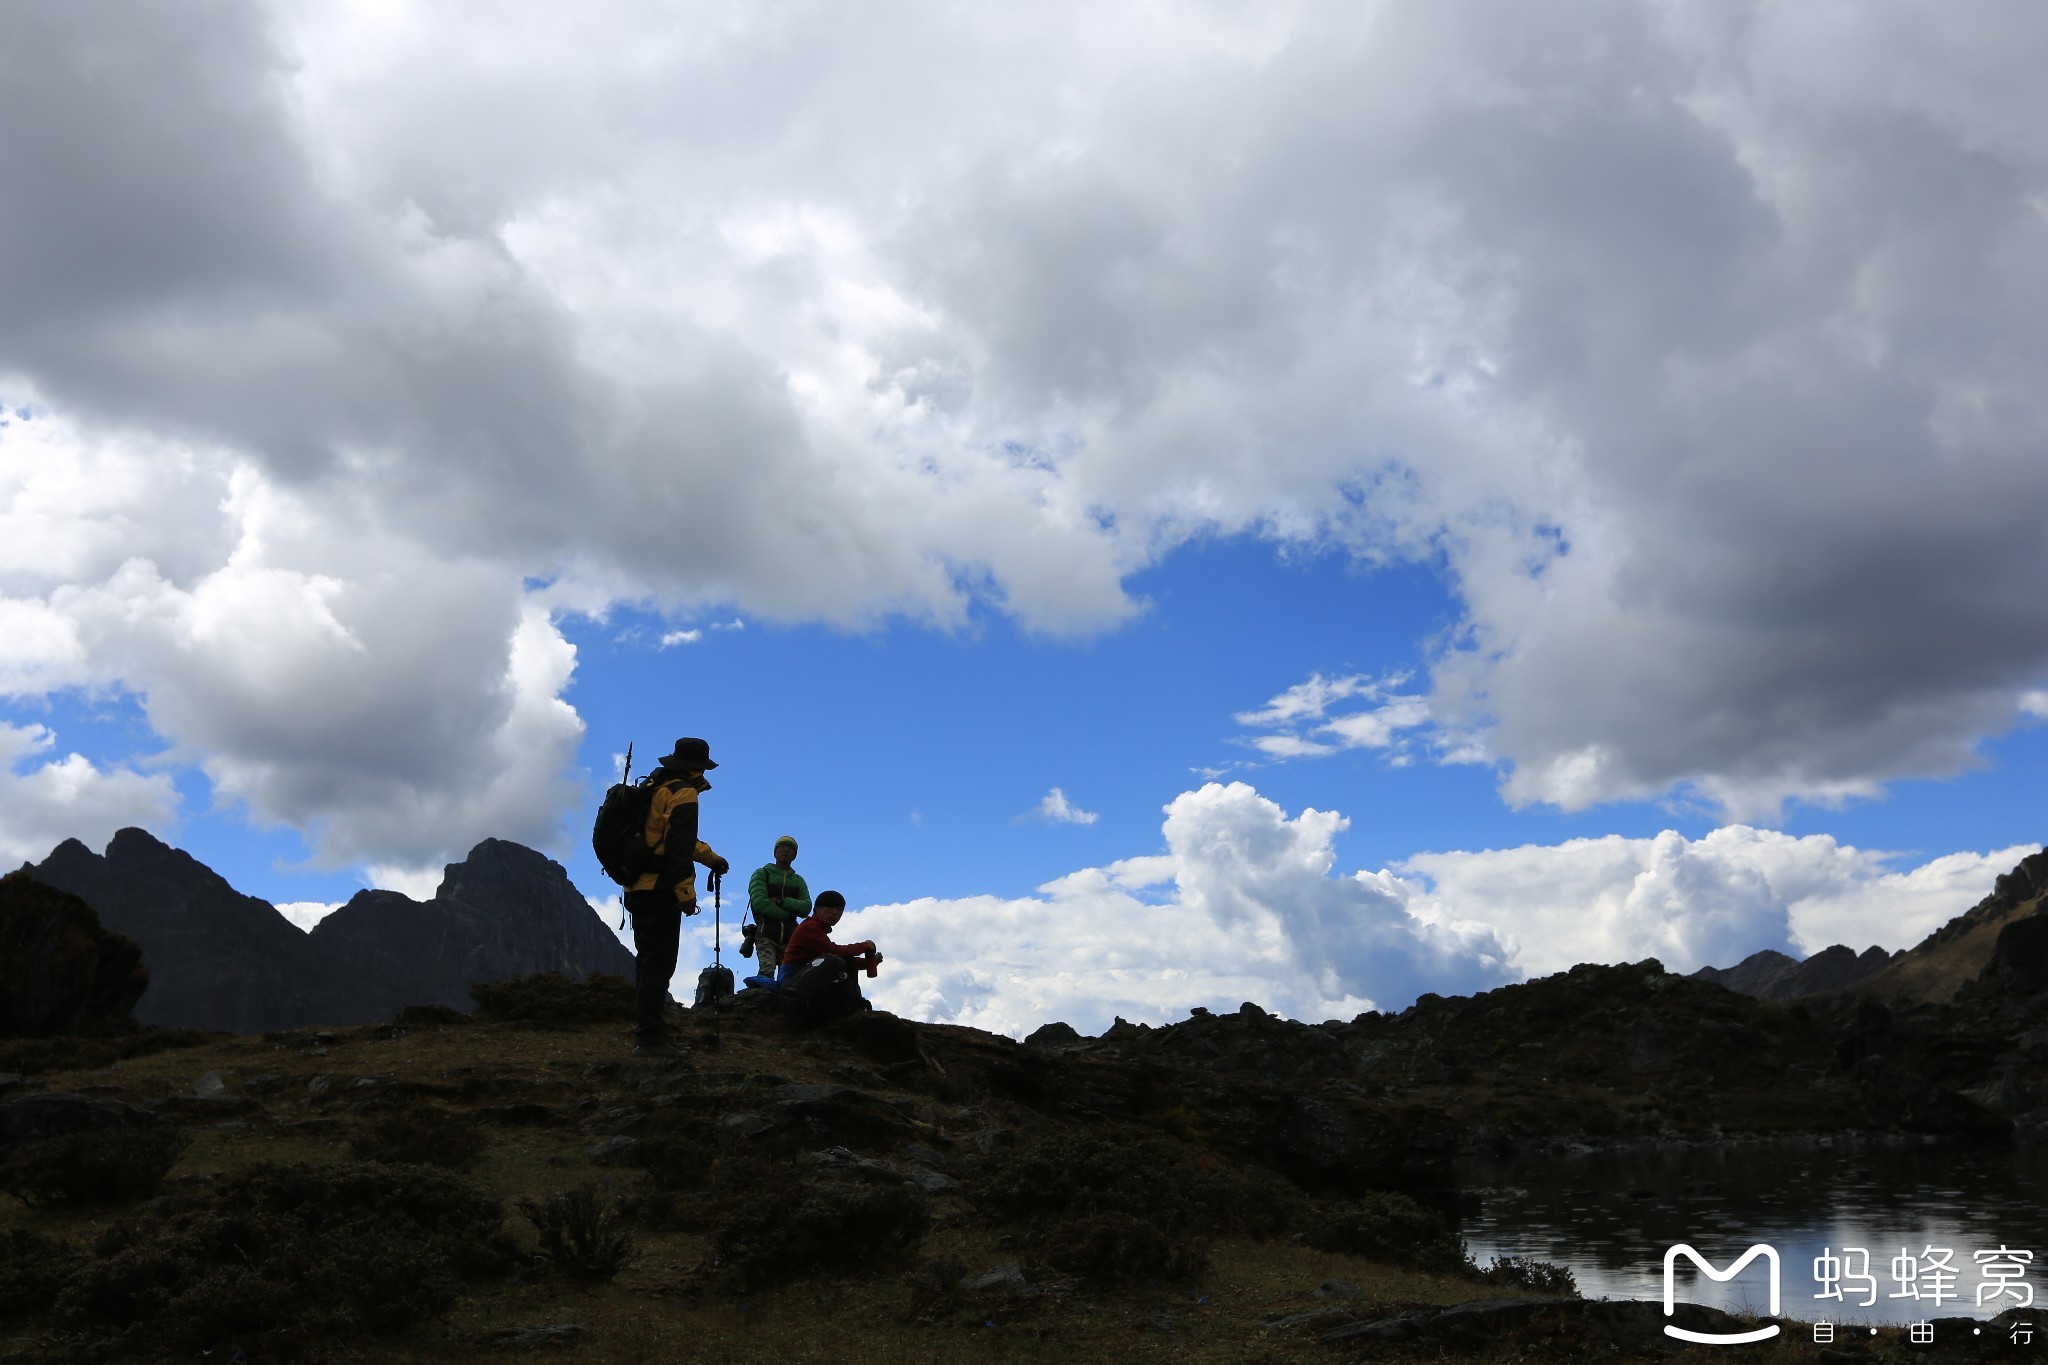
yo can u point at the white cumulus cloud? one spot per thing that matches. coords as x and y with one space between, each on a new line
1242 906
1246 905
1055 809
1701 902
306 914
393 704
1306 720
45 800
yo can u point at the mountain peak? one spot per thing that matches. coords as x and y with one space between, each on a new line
132 841
222 959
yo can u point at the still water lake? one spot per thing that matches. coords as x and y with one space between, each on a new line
1610 1216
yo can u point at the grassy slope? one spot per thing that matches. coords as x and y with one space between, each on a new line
673 1303
668 1304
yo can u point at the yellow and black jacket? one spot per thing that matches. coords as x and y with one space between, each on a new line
672 835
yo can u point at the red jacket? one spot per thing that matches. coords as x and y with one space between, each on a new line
813 940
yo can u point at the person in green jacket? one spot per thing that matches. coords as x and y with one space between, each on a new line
779 899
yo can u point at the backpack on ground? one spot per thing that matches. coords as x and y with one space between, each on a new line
619 835
714 984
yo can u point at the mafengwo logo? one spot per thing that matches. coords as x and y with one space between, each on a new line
1706 1268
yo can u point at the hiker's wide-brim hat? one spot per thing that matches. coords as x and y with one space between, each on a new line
690 753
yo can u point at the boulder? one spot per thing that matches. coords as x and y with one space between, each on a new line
1054 1035
60 971
2019 960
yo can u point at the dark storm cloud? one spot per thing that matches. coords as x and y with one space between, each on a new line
1701 343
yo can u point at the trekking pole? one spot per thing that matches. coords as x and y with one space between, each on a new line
717 883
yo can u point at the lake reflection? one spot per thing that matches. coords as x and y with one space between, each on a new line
1610 1216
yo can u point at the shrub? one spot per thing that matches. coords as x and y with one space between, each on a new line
1391 1228
284 1256
107 1166
551 998
769 1241
33 1056
1526 1272
1114 1247
658 1210
674 1161
429 1016
428 1135
32 1269
1151 1179
583 1231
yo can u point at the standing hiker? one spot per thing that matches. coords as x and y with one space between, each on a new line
659 900
778 897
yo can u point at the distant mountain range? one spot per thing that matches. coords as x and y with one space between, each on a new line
1932 971
218 959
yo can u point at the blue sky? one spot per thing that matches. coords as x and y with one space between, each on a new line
911 761
1291 503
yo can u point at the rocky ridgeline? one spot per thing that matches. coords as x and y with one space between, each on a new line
1771 975
1631 1053
1594 1055
218 959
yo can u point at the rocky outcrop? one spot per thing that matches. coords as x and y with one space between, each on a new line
1938 968
218 959
60 971
2019 959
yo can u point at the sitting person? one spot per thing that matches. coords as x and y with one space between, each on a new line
812 940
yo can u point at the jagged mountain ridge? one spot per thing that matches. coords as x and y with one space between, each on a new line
1771 975
1933 970
219 959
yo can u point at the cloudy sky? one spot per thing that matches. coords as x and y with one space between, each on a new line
1170 504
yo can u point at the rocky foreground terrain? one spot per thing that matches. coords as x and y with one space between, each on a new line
450 1185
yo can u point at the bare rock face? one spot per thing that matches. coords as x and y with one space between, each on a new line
217 959
503 911
60 971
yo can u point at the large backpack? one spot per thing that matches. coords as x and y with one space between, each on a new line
619 836
714 984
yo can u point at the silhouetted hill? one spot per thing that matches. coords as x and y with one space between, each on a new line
219 959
